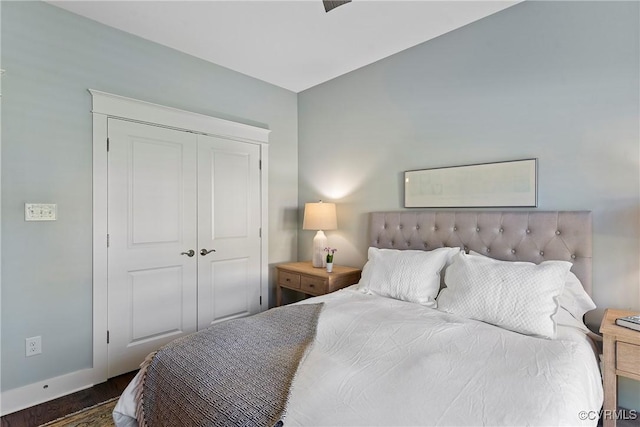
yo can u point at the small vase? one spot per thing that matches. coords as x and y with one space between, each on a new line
329 267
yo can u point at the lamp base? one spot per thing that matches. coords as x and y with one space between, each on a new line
319 243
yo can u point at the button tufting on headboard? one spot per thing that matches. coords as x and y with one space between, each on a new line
533 236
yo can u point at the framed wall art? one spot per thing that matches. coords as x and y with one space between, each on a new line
502 184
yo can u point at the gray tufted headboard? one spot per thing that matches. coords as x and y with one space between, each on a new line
533 236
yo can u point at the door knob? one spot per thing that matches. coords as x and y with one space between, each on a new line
189 253
204 252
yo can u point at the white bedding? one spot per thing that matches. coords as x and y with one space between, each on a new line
380 361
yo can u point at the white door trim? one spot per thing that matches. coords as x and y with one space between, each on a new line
132 109
105 105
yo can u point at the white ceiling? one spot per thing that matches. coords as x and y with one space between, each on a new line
293 44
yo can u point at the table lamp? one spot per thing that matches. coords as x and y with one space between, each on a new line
319 216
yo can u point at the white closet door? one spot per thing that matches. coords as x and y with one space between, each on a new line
151 221
229 279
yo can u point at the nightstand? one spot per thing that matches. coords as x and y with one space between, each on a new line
621 356
304 277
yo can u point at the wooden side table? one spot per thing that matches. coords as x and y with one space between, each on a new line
304 277
621 356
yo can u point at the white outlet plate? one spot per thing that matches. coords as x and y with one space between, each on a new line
33 346
40 211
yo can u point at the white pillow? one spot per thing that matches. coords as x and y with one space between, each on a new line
574 298
564 318
519 296
409 275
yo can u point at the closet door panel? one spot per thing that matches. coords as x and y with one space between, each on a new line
151 222
229 280
231 194
228 286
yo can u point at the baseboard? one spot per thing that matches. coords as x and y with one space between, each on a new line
33 394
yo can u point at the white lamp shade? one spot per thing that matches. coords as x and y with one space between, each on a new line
320 216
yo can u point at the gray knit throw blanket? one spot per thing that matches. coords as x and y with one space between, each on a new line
235 373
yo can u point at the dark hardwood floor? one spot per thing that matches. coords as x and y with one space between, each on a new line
54 409
58 408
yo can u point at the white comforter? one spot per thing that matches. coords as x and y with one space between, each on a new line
380 361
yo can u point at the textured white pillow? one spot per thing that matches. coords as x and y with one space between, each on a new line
409 275
574 298
518 296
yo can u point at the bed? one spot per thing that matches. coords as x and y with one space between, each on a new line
494 337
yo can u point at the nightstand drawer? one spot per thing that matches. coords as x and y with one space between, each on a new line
628 357
289 280
313 285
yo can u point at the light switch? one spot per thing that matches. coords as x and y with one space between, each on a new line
40 211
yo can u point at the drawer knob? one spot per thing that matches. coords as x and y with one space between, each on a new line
288 280
311 285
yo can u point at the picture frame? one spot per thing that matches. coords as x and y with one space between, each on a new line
510 183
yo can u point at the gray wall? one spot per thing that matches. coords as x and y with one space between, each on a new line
554 80
52 57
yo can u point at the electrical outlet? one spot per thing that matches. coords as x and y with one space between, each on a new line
33 346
